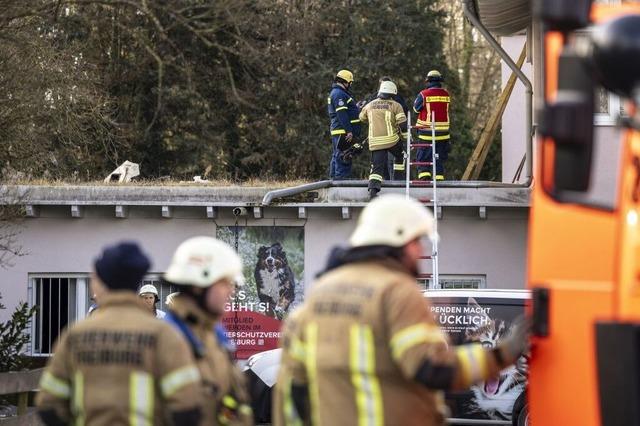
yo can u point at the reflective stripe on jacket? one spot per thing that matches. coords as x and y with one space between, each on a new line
226 399
343 112
120 366
436 100
364 334
385 118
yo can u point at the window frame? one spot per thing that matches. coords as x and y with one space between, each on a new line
426 283
80 306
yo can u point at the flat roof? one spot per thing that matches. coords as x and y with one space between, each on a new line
319 194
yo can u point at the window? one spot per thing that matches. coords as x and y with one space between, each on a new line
63 299
448 282
607 107
60 300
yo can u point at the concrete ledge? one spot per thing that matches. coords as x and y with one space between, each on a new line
231 196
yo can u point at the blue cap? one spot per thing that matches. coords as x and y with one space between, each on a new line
122 266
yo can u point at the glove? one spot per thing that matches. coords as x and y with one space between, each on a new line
347 156
516 342
361 104
357 148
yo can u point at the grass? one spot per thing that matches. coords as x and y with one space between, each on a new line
264 183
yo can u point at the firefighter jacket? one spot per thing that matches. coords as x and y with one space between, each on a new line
366 341
283 411
386 123
226 400
397 97
435 100
343 112
120 366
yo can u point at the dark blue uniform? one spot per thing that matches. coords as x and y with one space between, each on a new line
343 113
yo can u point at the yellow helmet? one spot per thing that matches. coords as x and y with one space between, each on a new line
346 75
392 220
434 75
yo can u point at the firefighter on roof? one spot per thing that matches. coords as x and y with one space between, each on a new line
345 124
121 365
387 129
433 100
366 349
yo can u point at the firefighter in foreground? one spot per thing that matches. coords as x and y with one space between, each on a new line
149 295
366 349
206 270
344 126
283 412
433 100
387 123
121 365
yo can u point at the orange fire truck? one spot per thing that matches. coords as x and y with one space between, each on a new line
584 256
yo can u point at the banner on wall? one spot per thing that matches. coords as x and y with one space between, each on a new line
474 317
273 269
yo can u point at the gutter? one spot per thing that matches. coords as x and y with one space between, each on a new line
469 11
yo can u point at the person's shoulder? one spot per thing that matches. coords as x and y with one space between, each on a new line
339 92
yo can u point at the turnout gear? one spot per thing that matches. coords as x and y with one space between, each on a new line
433 100
368 349
345 123
365 348
283 405
201 261
120 366
226 401
387 123
392 220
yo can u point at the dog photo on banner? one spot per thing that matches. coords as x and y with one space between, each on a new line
273 269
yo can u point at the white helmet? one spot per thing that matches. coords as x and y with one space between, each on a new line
148 288
388 87
202 261
392 220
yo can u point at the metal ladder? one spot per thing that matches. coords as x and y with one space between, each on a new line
433 276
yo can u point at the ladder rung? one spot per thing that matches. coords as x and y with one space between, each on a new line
424 276
421 182
425 200
425 257
420 163
421 145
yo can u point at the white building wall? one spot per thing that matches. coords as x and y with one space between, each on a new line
513 119
56 243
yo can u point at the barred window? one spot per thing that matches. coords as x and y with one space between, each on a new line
60 301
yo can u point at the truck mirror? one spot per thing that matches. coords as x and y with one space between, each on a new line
563 16
616 55
569 122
